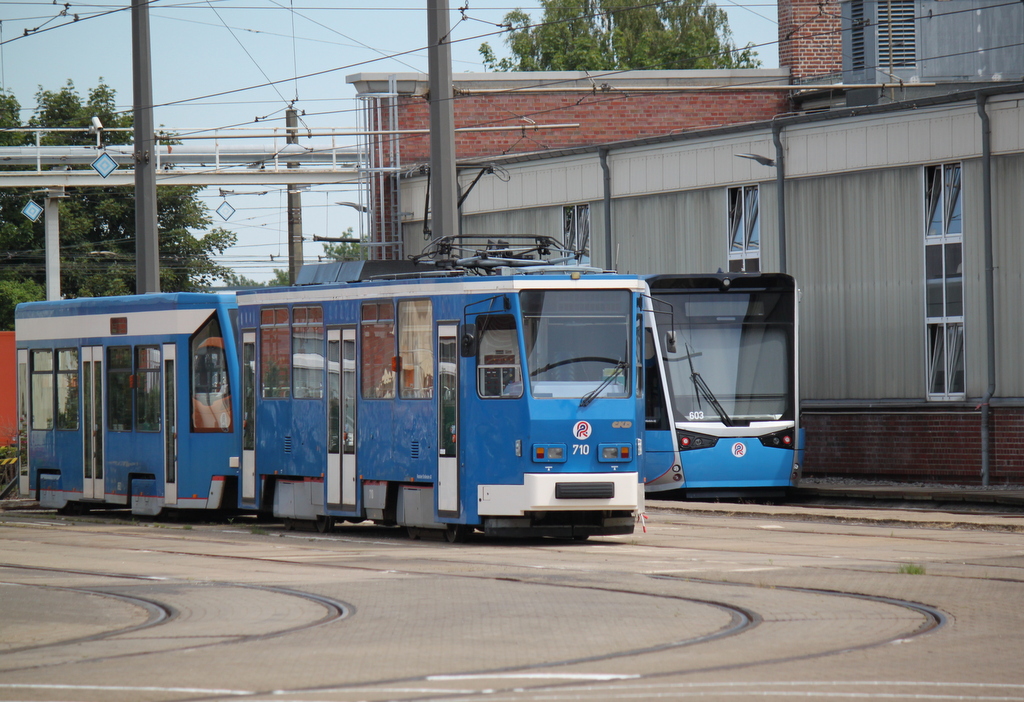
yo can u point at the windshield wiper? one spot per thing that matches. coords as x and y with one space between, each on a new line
702 389
576 359
592 395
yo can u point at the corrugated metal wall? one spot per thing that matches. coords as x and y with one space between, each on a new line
856 247
683 232
1008 223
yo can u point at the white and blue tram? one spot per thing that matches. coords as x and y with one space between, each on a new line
723 421
510 404
127 402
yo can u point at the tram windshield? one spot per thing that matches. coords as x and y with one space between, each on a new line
577 342
728 356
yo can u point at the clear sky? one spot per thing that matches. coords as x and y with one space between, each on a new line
208 54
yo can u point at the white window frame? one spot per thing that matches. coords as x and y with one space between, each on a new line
576 228
945 363
743 234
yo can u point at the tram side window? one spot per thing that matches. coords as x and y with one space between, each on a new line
42 389
308 352
211 388
119 388
416 348
378 350
67 388
147 387
498 364
275 353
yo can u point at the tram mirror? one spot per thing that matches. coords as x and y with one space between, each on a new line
670 341
468 345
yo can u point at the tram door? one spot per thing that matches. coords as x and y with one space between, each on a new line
448 419
92 422
249 417
341 418
170 427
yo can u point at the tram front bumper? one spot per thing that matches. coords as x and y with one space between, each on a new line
559 492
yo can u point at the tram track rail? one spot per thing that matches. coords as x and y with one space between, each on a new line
742 618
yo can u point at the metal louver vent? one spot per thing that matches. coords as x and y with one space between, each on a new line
287 444
897 37
414 450
857 35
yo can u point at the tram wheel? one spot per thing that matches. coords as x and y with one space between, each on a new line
457 533
324 523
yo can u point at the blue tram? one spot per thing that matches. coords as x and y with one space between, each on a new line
509 404
128 402
723 418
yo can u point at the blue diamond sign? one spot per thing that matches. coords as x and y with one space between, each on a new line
225 210
104 165
32 210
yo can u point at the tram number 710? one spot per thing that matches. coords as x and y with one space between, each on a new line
581 449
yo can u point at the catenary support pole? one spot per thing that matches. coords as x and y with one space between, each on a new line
147 239
295 255
444 198
51 215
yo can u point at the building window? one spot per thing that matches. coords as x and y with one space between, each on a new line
576 229
744 229
944 295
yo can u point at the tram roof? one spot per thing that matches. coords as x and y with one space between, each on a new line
123 304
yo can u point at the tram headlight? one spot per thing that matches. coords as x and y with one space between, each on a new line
691 440
778 439
549 453
615 453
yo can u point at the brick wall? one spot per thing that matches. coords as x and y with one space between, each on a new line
928 446
602 118
809 40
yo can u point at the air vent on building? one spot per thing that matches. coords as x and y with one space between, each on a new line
857 35
897 38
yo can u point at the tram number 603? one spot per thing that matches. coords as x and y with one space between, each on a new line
695 416
581 449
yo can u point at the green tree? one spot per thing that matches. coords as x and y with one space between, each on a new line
234 280
606 35
97 224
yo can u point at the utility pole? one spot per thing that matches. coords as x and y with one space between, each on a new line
51 215
291 122
147 239
444 189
